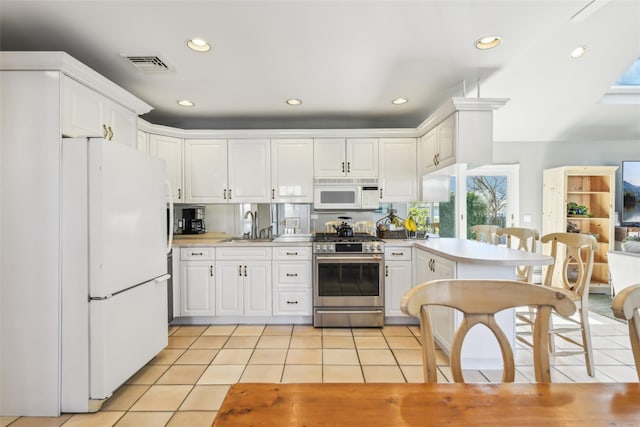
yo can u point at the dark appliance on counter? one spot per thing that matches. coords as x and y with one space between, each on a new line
344 229
193 219
348 280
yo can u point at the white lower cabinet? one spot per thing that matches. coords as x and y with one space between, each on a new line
243 281
292 295
398 278
443 320
197 282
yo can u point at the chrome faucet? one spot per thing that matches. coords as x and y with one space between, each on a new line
254 223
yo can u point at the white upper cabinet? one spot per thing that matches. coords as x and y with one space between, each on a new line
170 150
438 146
143 141
249 171
398 165
292 170
205 170
353 157
87 113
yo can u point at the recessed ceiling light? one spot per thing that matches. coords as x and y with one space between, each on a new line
578 52
185 103
399 101
198 45
294 101
488 42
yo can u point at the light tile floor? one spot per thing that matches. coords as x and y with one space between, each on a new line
187 382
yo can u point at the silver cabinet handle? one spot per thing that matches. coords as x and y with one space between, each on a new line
381 193
224 194
179 194
292 274
229 194
292 302
273 194
211 270
348 167
292 253
397 253
196 253
110 133
245 271
343 167
240 270
105 132
386 271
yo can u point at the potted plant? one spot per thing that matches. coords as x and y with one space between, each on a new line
631 244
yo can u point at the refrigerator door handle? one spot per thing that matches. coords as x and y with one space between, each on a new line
170 231
162 278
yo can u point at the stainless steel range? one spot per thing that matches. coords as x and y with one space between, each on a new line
348 280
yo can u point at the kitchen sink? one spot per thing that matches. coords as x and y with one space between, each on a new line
247 241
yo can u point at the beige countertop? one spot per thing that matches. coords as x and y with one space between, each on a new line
218 239
474 252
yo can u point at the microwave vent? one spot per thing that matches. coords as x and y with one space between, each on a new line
359 181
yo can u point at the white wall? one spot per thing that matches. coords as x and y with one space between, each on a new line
534 157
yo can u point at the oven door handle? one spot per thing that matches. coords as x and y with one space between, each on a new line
348 311
355 258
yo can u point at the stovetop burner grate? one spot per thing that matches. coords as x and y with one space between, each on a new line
357 237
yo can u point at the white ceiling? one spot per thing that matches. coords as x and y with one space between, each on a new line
347 60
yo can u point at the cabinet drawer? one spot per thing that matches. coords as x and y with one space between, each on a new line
397 253
295 273
292 302
243 253
292 253
199 253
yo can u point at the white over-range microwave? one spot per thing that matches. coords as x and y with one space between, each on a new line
346 193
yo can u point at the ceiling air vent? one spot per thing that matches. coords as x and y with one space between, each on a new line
147 64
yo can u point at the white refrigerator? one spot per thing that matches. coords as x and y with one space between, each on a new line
114 268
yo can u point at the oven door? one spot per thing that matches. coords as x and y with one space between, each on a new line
348 280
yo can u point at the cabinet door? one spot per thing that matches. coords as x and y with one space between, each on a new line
205 170
257 288
249 171
447 142
398 280
229 292
143 141
329 157
197 288
362 157
83 111
170 150
398 178
122 124
428 151
292 170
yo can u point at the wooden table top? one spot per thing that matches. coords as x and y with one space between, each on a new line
377 404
